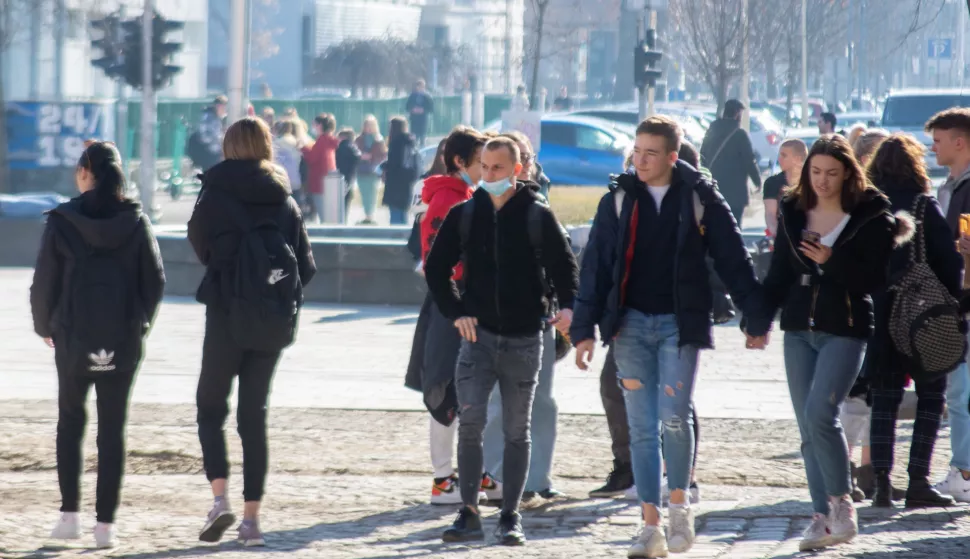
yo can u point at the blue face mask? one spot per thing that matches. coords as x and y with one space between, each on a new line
467 179
495 188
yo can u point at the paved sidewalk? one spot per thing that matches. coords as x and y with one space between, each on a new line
354 357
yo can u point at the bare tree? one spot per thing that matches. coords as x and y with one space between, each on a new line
711 33
539 8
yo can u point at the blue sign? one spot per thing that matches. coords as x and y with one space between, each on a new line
940 49
49 135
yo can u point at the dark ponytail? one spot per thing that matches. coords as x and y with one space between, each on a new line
103 161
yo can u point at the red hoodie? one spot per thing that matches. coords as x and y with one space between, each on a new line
440 193
320 160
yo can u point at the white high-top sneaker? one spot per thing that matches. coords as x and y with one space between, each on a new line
68 527
104 535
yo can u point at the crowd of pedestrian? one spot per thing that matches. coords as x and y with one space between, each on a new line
867 272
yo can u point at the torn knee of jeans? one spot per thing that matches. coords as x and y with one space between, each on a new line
674 423
669 391
631 384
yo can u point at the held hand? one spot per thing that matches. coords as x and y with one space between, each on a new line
49 342
584 354
562 320
757 342
467 327
820 254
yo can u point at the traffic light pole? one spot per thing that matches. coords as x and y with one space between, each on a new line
121 104
652 89
147 173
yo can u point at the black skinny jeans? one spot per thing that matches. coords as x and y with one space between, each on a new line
615 406
112 392
223 360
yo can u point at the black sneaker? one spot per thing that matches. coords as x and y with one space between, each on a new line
509 531
466 528
619 480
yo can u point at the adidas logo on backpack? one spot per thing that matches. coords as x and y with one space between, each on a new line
101 362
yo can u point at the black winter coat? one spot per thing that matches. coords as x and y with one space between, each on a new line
883 363
834 297
735 163
100 226
264 191
503 288
400 171
606 264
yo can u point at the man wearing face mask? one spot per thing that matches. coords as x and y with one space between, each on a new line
500 315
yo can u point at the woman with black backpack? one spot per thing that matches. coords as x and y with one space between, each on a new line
97 286
400 170
249 233
898 169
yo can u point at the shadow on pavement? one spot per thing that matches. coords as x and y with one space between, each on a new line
394 317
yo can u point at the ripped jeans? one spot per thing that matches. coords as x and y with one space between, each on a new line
657 378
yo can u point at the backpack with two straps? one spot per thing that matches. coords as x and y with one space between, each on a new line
266 293
925 320
102 320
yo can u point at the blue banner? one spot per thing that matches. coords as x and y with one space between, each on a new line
52 135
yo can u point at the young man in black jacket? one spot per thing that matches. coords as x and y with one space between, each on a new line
500 316
645 282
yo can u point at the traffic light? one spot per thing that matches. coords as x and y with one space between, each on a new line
162 52
646 61
109 44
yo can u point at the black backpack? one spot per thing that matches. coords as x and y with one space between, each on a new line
266 293
925 319
102 320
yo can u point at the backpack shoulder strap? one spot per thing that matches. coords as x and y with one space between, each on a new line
723 145
618 196
465 224
918 249
698 211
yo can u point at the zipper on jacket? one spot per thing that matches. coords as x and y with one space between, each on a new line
498 309
811 310
848 303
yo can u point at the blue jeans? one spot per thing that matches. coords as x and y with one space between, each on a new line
398 217
545 414
647 351
821 370
513 363
957 399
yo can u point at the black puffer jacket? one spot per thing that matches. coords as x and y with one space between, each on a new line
101 226
834 297
264 191
883 362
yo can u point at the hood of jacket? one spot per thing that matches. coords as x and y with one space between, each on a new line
101 226
253 182
437 183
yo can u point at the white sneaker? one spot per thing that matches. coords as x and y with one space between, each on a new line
954 485
650 543
491 487
843 522
680 537
445 491
817 536
68 527
104 535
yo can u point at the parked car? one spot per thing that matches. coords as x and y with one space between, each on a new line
581 150
693 130
766 137
847 120
908 110
807 135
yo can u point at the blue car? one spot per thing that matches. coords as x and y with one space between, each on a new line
581 151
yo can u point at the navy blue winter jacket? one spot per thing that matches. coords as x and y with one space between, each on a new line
606 259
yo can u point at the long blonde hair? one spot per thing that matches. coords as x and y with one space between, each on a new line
248 139
371 119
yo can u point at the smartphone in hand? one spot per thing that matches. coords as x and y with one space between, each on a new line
811 237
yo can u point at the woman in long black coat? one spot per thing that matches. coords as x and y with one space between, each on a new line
898 170
400 170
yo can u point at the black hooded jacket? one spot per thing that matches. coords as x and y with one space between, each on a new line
264 191
834 297
503 288
103 226
728 153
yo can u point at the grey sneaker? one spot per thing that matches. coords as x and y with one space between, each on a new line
844 523
817 535
249 534
219 520
680 536
650 543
